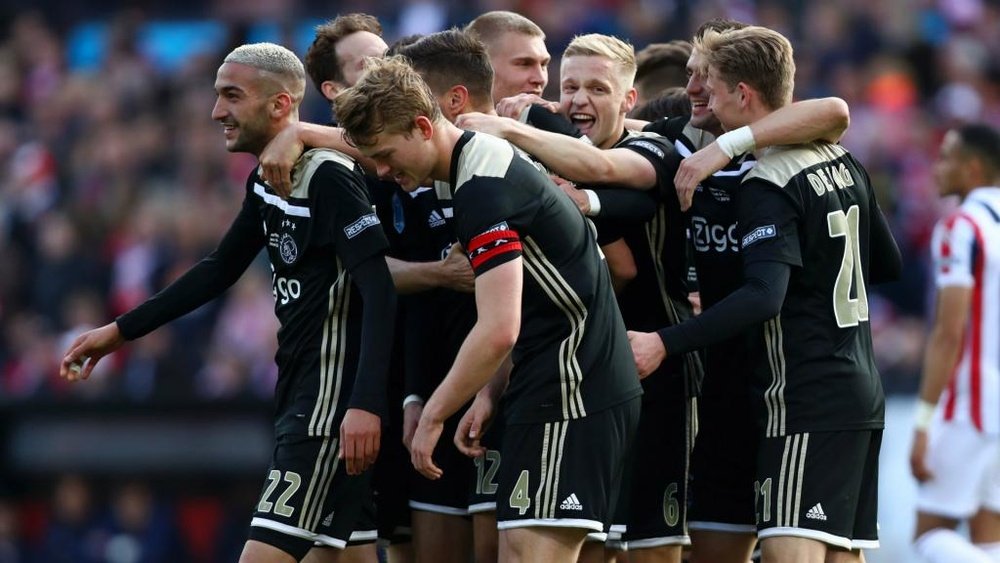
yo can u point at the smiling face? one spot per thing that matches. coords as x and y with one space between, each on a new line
520 65
594 97
242 108
726 102
698 93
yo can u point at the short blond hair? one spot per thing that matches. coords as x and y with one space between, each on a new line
489 27
596 45
757 56
387 99
276 64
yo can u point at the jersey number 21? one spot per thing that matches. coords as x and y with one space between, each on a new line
849 311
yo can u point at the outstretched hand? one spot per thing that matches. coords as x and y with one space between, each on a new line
88 349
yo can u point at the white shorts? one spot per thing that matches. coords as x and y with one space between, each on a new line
966 468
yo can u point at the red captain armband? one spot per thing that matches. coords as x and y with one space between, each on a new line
489 245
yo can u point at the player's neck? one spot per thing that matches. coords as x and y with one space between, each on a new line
446 136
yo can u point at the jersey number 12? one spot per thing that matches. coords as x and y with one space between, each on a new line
849 311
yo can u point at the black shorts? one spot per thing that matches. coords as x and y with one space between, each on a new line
724 465
567 473
309 499
483 486
657 501
820 485
449 494
392 478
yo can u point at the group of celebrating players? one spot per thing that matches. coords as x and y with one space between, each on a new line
534 265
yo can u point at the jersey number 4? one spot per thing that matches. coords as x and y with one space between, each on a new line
849 311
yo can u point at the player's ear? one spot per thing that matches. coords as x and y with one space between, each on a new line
281 104
630 98
331 88
457 98
424 126
744 92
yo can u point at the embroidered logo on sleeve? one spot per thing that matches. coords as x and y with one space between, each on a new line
365 221
651 147
759 234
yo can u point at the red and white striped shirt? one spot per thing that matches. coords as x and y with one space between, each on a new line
966 249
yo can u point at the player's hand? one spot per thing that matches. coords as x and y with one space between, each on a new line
647 350
456 271
411 416
576 194
513 106
474 424
694 298
696 168
88 349
483 123
279 158
918 457
422 447
360 438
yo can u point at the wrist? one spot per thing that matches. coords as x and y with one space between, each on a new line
594 202
924 415
736 142
431 414
413 399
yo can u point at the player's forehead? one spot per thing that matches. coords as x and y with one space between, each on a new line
696 62
383 144
236 76
514 45
361 44
587 68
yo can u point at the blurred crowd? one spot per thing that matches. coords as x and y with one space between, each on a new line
83 520
115 180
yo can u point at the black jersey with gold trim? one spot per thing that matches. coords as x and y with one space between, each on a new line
572 357
812 207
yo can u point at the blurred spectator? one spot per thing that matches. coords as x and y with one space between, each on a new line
140 528
72 535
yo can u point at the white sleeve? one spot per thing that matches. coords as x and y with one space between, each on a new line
954 253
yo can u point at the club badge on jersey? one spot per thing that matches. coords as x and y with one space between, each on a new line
287 234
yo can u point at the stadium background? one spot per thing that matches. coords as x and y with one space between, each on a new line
115 180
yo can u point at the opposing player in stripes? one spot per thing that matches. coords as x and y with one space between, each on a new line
956 453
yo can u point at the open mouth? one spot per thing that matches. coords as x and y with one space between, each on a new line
584 122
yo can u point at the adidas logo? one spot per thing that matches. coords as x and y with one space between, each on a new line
328 521
573 503
435 219
816 513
